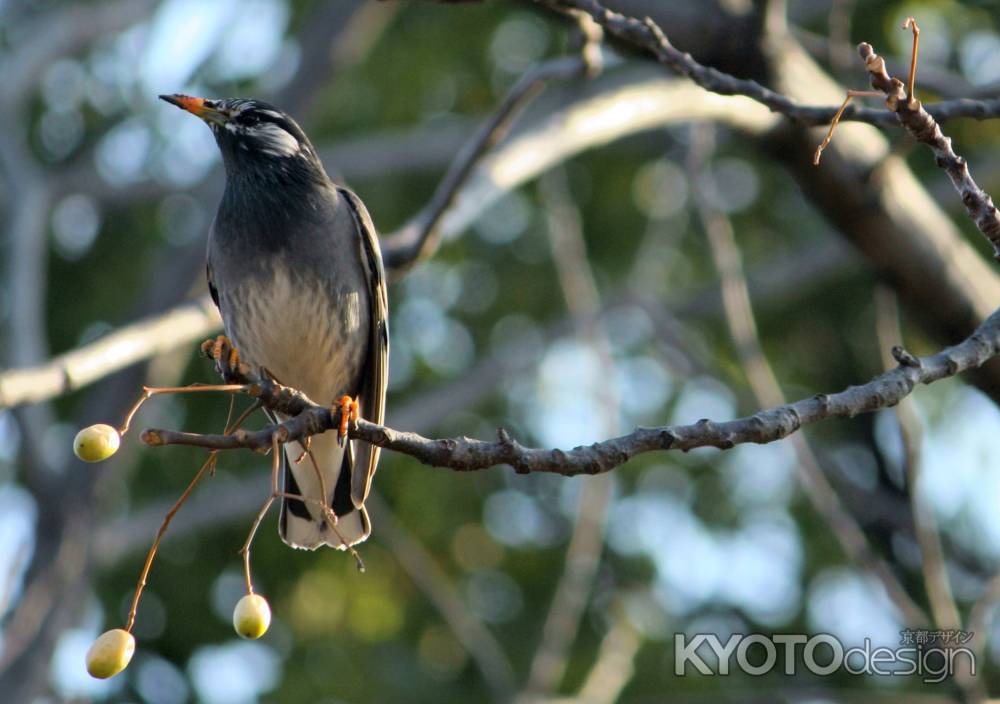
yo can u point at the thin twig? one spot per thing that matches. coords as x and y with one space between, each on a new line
255 406
207 467
149 391
326 511
923 127
851 94
245 550
911 24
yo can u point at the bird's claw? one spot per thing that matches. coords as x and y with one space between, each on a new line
350 412
305 450
226 356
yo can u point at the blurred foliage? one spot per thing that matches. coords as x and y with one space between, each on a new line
342 636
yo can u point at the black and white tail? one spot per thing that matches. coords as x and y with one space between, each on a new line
301 524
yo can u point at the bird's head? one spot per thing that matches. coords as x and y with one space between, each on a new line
252 134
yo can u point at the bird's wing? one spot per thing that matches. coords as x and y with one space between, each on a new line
211 285
375 379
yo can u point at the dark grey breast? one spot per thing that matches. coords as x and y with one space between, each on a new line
296 298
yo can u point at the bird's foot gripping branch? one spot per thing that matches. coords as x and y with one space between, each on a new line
112 651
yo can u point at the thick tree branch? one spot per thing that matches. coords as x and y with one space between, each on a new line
909 111
141 340
768 286
468 454
871 196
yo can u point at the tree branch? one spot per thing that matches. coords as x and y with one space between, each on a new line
919 123
141 340
468 454
647 35
420 237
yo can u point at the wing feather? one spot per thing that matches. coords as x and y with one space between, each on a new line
376 375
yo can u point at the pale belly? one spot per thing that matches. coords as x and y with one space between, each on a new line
307 337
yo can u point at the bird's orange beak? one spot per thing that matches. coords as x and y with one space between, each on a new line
196 106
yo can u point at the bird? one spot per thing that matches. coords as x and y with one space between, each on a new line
295 268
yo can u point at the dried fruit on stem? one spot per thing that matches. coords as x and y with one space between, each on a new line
96 443
252 616
110 653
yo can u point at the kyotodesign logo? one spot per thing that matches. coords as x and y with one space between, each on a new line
931 655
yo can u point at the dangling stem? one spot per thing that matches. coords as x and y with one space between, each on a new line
245 550
243 416
331 518
209 463
836 119
911 24
149 391
208 466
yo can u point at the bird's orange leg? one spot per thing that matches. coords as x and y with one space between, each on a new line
350 411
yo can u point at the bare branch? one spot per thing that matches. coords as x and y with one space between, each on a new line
420 237
647 35
140 340
908 110
919 123
468 454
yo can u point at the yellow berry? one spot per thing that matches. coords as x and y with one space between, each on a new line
96 443
110 653
252 616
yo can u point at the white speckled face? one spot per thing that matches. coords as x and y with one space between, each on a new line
260 129
274 140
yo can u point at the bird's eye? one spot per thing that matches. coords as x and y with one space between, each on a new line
249 119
